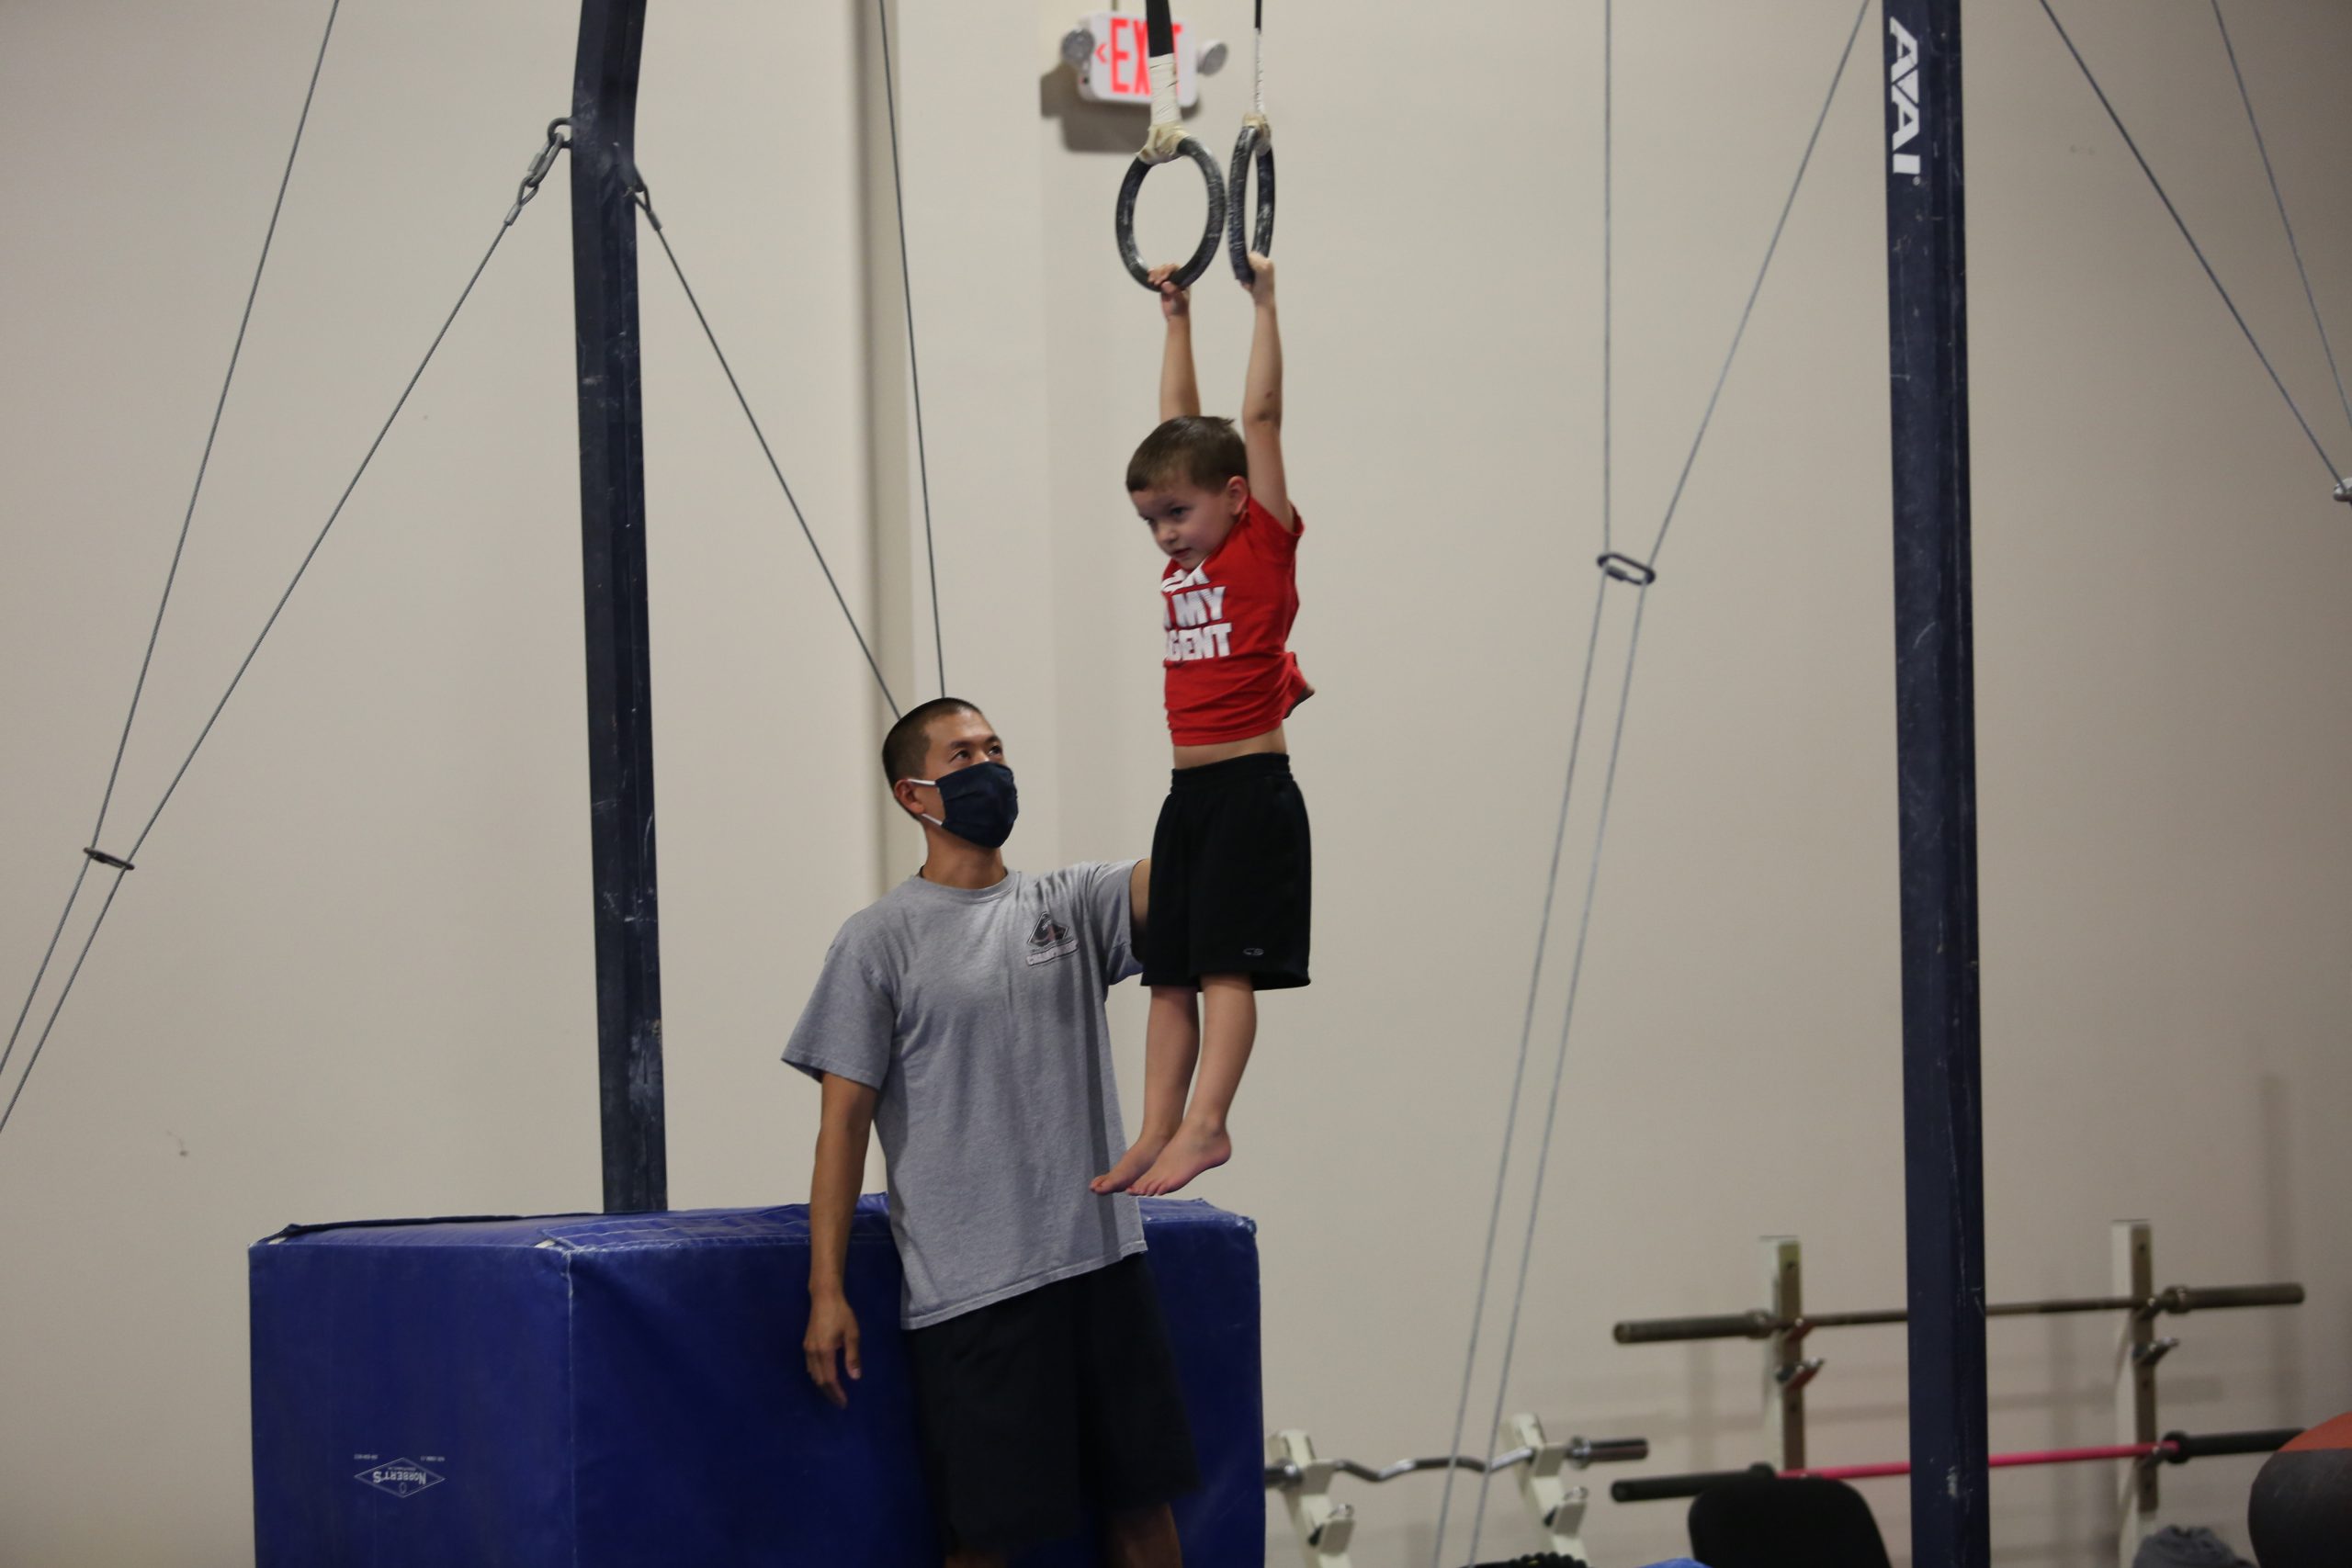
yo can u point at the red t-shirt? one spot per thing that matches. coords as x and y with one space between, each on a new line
1229 674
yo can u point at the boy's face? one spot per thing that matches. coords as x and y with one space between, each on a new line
1188 523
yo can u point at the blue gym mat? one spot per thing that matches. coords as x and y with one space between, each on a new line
615 1392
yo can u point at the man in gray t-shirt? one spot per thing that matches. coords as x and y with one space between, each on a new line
960 1016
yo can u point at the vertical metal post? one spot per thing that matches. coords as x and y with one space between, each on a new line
1936 781
612 539
1786 1371
2133 1247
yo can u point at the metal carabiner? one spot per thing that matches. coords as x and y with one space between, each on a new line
558 138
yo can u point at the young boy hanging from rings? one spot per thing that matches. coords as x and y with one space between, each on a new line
1230 869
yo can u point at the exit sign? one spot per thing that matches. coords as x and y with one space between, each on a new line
1119 71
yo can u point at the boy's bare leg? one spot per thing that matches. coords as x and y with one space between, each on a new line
1229 1029
1172 1043
1143 1538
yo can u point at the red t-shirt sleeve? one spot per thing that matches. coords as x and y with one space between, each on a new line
1274 538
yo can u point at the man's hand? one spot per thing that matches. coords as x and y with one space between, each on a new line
1175 301
831 1344
1261 282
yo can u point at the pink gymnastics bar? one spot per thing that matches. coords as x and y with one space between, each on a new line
1997 1462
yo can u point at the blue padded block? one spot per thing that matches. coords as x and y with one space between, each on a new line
612 1391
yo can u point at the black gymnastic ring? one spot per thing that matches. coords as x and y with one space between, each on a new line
1253 139
1125 224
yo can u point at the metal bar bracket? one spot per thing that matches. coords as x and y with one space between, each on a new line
1323 1526
1557 1508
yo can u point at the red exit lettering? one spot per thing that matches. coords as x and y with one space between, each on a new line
1127 53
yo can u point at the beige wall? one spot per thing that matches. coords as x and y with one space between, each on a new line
351 976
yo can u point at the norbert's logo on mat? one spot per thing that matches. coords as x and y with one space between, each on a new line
401 1478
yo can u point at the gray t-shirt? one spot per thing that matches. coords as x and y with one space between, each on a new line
977 1014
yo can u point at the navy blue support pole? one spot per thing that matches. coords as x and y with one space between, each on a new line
1936 776
620 670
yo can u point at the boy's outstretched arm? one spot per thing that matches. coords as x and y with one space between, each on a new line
1261 401
1180 390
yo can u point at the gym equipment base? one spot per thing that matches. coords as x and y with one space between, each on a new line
615 1391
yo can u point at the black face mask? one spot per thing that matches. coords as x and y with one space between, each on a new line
980 802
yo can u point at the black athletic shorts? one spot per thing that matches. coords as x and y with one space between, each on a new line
1232 874
1035 1410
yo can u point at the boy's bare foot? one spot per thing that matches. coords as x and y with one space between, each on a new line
1191 1151
1132 1165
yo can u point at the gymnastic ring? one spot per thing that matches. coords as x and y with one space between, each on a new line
1124 226
1256 137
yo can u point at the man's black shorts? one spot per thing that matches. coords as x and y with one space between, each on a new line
1232 875
1036 1409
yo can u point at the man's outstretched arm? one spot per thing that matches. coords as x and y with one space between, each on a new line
831 1344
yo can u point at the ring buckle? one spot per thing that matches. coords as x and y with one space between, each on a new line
1626 568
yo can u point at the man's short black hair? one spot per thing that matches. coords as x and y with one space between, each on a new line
1197 449
909 742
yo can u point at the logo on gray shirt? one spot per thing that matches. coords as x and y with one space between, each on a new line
1051 940
977 1016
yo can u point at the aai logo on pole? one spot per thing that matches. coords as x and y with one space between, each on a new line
1903 92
